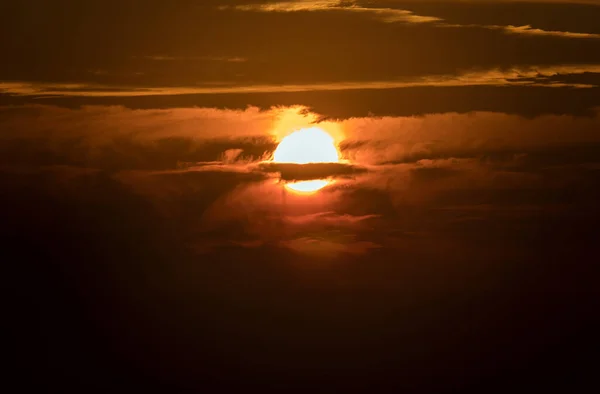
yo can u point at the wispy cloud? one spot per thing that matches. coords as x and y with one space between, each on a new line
326 248
391 15
526 30
160 58
286 6
517 76
384 14
330 217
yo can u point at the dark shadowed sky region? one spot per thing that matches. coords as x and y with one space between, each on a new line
223 196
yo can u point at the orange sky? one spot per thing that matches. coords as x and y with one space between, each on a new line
151 243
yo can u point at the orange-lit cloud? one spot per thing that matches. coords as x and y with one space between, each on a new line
515 76
408 178
527 30
389 15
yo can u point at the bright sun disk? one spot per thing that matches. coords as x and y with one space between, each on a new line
306 146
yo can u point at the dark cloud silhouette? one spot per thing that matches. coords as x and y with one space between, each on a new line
123 152
121 274
299 172
587 78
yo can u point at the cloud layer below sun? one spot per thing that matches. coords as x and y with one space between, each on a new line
214 165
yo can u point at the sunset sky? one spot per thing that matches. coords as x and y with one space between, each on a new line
429 225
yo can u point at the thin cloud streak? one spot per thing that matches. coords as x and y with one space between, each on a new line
162 58
496 77
392 15
389 15
526 30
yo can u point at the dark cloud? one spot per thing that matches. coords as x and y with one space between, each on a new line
299 172
162 140
588 78
127 153
127 266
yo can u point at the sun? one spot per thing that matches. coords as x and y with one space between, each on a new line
307 146
304 146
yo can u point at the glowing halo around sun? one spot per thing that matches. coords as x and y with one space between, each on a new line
304 146
308 186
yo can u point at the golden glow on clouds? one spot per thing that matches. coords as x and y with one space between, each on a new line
392 15
290 119
308 186
304 146
527 29
389 15
492 77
